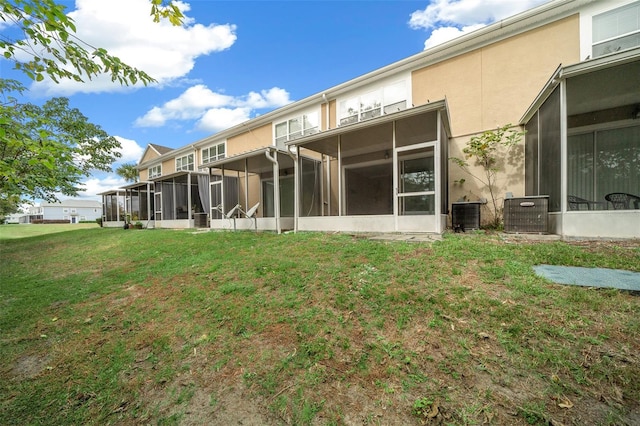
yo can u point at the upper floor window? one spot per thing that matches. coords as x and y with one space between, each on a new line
185 163
155 171
213 153
383 100
297 127
616 30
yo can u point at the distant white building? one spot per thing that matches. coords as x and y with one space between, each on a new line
66 211
16 218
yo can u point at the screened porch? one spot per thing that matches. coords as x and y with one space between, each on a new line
385 174
252 191
587 130
179 198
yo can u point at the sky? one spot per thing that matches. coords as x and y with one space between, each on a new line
231 61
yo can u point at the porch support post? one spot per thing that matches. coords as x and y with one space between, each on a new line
322 159
394 167
246 184
148 202
328 187
563 155
276 188
340 183
189 202
437 173
295 156
174 214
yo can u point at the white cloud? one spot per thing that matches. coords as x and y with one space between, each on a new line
217 119
213 111
443 34
94 186
126 30
130 150
448 19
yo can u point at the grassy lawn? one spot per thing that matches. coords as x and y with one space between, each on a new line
106 326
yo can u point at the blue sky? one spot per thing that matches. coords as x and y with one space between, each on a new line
234 60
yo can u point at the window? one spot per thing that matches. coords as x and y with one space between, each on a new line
616 30
73 211
603 161
372 104
155 171
297 127
185 163
65 210
213 153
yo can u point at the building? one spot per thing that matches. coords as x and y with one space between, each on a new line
372 153
65 211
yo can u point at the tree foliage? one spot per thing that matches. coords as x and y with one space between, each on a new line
48 149
484 150
54 51
128 172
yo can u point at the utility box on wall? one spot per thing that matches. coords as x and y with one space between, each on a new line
465 215
527 214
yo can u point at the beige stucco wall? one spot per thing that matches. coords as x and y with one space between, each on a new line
253 139
494 85
491 87
168 166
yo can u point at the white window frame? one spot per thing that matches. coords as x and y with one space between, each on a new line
616 14
65 210
219 152
597 10
185 163
155 171
373 102
297 126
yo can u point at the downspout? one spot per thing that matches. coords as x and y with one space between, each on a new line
296 186
328 127
340 176
276 188
246 184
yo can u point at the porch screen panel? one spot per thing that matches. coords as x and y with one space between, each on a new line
181 189
580 172
168 209
203 187
311 184
286 197
618 161
444 170
368 189
417 129
531 157
550 169
230 192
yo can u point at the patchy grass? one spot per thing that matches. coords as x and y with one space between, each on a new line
173 327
